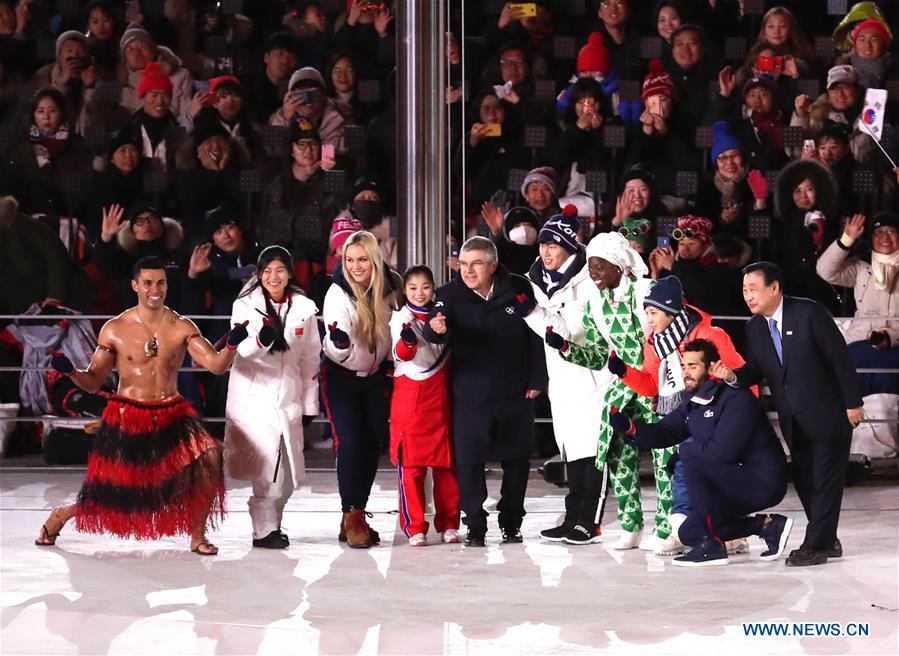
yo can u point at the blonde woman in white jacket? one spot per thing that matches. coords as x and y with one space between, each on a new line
355 382
273 392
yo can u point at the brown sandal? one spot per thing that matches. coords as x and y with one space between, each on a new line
197 551
48 539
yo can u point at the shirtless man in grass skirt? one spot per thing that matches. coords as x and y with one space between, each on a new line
153 470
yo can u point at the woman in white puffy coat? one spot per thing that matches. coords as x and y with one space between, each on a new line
562 287
272 390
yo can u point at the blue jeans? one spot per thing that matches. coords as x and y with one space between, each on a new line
680 497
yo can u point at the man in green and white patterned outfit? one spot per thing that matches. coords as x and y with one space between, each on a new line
616 321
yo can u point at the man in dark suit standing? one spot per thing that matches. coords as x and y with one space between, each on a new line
795 345
498 369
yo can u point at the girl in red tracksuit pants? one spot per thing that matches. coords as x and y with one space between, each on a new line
420 435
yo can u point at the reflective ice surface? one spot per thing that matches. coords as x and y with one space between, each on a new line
97 595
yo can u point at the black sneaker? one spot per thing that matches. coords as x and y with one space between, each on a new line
475 538
274 540
581 534
775 534
836 551
556 533
511 535
707 553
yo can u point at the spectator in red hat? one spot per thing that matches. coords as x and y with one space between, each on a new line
869 56
593 63
762 59
155 121
225 103
691 261
140 49
581 147
664 143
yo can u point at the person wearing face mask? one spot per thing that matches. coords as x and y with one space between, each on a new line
355 382
806 202
615 321
297 209
517 243
562 287
272 392
368 209
872 344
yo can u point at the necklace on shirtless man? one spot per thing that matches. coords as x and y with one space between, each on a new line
151 346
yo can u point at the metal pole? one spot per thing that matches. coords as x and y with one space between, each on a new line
421 133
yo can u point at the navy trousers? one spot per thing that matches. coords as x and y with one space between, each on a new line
358 409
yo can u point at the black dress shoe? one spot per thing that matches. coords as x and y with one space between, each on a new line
511 535
476 539
274 540
836 551
806 556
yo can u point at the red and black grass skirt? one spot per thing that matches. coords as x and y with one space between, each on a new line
146 475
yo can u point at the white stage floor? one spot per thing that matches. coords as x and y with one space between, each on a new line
98 595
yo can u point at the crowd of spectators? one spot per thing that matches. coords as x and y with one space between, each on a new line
709 132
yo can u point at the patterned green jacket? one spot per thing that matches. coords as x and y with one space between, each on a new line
616 325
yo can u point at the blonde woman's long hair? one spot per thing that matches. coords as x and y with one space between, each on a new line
371 310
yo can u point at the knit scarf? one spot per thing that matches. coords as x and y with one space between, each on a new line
871 71
884 270
48 147
671 379
728 188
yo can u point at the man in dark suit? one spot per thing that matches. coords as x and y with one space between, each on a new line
795 345
498 369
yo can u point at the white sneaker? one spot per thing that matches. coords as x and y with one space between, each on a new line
675 520
418 540
450 536
649 542
670 546
628 540
738 546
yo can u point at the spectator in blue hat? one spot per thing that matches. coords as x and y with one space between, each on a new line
731 193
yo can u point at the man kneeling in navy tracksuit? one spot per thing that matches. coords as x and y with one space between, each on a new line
734 466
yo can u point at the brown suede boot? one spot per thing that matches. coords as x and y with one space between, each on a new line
356 529
372 533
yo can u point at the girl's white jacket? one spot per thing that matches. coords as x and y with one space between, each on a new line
269 392
425 363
